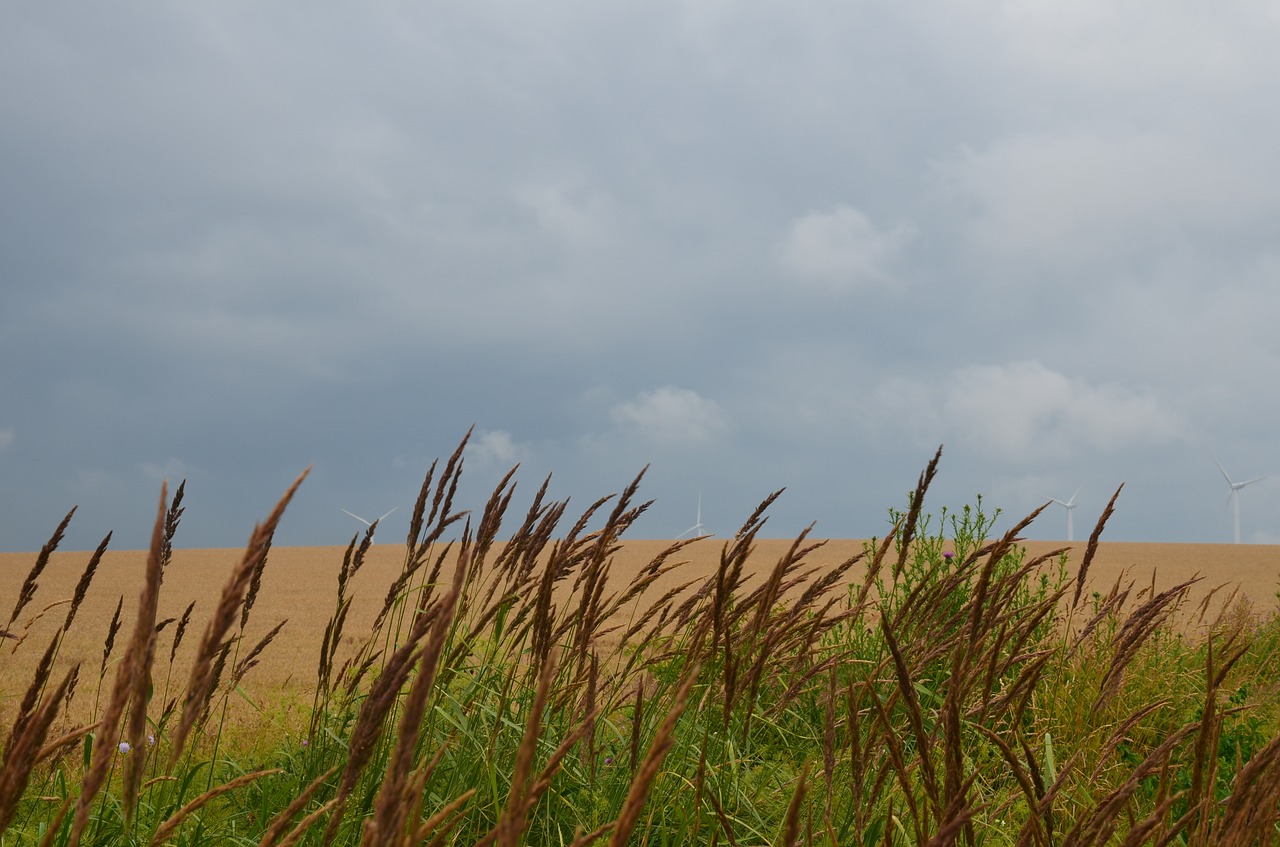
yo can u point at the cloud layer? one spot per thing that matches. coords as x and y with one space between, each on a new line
748 246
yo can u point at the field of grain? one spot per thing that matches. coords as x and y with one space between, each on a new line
298 587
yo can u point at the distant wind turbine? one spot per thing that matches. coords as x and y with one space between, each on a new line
1070 506
372 522
1234 493
697 530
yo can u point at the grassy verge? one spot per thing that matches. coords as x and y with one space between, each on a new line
938 688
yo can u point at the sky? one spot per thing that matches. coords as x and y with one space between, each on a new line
747 245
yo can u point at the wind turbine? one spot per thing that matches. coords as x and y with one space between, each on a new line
1234 493
697 530
1070 506
372 522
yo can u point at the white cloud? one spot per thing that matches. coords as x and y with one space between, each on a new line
1055 200
1025 411
842 248
579 219
91 481
494 447
172 470
671 416
1136 44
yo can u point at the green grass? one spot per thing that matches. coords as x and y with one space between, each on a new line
940 688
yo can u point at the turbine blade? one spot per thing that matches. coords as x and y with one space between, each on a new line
357 517
1240 485
1221 468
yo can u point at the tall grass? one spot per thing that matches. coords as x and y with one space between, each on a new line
937 688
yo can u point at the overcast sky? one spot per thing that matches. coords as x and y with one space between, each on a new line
752 245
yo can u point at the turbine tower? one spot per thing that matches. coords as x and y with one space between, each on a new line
1234 493
1070 506
697 530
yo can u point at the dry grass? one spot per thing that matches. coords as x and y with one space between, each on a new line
493 679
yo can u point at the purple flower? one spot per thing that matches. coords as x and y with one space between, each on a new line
608 760
948 555
124 747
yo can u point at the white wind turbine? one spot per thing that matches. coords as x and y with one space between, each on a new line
1234 493
1070 506
697 530
372 522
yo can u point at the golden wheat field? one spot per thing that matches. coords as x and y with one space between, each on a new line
299 583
